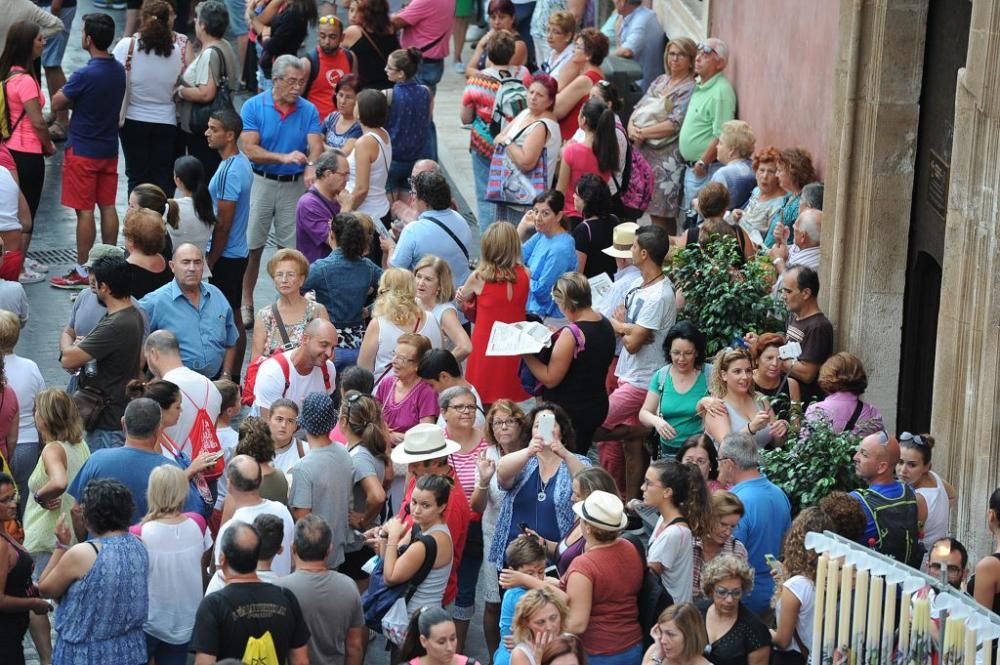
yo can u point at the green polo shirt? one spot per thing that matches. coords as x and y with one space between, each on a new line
713 103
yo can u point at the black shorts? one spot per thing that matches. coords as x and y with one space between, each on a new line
353 561
227 276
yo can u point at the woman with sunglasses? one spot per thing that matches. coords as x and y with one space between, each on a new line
914 469
735 634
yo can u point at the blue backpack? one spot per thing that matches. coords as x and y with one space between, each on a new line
379 598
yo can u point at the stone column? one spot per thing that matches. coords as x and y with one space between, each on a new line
869 184
965 419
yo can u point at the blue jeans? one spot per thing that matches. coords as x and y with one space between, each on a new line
480 174
629 656
345 358
468 572
166 653
104 438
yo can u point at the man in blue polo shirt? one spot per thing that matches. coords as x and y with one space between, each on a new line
230 191
282 139
196 313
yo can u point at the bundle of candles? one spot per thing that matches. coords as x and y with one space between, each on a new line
872 610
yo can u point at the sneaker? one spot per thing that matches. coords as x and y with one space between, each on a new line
459 68
71 280
474 33
35 266
30 276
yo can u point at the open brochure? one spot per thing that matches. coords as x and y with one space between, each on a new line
515 339
600 285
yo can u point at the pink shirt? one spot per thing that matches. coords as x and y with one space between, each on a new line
580 159
465 466
428 22
19 90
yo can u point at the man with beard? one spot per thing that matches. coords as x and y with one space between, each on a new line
326 64
109 355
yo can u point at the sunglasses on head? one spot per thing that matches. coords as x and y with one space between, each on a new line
915 438
706 49
329 19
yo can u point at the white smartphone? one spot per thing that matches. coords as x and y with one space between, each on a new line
790 351
215 456
546 426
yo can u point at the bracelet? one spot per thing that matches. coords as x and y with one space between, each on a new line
482 487
750 430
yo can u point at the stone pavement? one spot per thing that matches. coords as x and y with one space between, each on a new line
54 244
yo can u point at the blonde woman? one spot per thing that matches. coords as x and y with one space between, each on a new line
289 269
175 542
396 313
732 382
435 289
539 617
498 290
736 147
64 452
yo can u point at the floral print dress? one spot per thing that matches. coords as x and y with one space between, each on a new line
294 330
666 161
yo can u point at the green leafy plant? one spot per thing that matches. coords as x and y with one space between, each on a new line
723 301
814 462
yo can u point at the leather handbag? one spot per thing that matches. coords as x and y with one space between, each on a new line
128 80
223 100
91 402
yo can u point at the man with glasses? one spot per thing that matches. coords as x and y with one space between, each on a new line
326 64
713 103
767 512
282 138
640 38
319 205
949 553
893 511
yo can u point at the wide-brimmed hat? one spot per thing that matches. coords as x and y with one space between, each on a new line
423 442
101 251
622 237
603 510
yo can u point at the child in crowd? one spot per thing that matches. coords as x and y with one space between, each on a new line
527 555
272 532
228 438
284 422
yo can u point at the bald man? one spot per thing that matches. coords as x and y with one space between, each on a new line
894 512
294 374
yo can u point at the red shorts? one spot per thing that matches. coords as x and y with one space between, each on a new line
624 405
88 181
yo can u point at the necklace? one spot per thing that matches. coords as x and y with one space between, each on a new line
543 487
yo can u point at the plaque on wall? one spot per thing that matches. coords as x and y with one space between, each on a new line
938 173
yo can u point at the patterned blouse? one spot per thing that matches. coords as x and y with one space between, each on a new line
272 339
733 546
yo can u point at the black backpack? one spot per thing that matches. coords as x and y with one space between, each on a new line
313 57
653 596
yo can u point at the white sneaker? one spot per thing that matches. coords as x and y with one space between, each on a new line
473 33
35 266
30 277
459 68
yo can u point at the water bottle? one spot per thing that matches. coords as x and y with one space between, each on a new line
90 369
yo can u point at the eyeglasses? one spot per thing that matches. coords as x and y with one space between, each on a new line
915 438
295 83
676 54
682 354
503 423
285 275
329 19
706 49
404 359
463 408
630 296
722 593
935 567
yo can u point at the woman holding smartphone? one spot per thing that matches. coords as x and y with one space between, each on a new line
539 481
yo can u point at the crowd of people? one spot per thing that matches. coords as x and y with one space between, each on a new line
370 467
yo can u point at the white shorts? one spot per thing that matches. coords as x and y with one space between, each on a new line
10 195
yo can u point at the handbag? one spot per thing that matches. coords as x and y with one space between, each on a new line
91 402
128 80
385 606
223 100
529 382
509 184
652 111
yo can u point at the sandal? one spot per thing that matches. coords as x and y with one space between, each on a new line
57 131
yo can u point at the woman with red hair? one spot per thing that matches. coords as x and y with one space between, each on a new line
767 199
768 377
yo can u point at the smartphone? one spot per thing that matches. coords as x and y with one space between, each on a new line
523 526
790 351
214 457
546 426
772 562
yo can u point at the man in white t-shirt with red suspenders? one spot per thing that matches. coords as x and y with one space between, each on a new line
294 374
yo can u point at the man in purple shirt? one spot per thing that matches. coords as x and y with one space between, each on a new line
319 205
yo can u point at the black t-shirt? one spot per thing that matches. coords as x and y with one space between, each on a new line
746 636
229 617
115 343
815 334
145 281
592 236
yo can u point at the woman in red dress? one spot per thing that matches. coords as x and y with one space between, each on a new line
499 287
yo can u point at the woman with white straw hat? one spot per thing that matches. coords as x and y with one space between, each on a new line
604 609
424 451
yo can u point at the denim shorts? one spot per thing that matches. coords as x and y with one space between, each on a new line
238 26
468 571
55 46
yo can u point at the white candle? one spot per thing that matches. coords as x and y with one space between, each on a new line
844 620
888 622
830 611
817 636
904 625
970 647
873 639
860 614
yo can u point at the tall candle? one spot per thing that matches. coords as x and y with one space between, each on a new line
904 626
830 611
860 615
873 639
987 652
817 636
844 620
888 622
970 647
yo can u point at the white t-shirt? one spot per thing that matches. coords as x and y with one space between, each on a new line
654 309
805 590
270 383
151 83
288 457
174 577
673 548
228 439
197 391
26 380
282 564
9 197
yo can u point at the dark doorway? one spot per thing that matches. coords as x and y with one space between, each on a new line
944 53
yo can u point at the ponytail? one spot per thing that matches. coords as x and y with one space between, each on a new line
422 621
606 142
173 213
191 173
362 415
